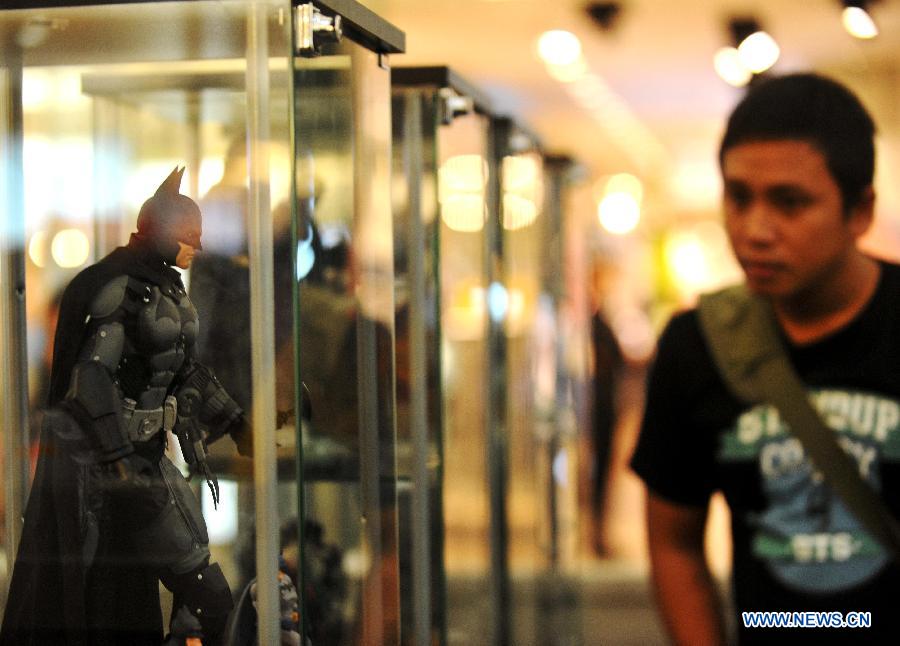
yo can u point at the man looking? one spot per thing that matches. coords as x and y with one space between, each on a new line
797 162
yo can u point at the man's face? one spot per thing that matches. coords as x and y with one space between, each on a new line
785 218
185 256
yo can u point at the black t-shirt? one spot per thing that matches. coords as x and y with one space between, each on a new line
796 546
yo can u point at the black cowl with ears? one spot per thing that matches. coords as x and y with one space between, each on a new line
168 217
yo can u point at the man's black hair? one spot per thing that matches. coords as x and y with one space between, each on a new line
816 109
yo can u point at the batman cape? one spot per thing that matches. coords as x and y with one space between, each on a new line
50 599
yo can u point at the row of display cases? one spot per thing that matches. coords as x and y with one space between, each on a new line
380 248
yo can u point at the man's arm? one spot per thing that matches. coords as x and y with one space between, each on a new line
684 586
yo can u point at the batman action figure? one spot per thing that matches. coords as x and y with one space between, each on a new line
109 516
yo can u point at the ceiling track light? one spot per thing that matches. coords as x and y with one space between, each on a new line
604 14
741 28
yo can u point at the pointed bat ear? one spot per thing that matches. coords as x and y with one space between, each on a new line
171 184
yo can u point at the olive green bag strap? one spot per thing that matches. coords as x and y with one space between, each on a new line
742 333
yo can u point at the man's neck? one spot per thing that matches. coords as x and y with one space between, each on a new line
815 314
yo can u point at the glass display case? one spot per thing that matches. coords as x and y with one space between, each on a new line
516 335
280 115
480 218
441 128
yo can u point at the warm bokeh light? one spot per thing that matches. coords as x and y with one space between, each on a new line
619 213
462 173
859 23
521 190
464 212
37 248
461 181
729 67
758 52
686 258
70 248
619 204
625 183
559 47
698 258
464 316
520 173
518 211
569 73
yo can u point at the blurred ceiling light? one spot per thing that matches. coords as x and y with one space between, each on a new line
685 255
520 173
857 21
758 52
43 88
570 72
625 183
36 90
619 213
70 248
518 212
521 190
559 47
464 213
37 248
462 173
619 208
461 181
729 67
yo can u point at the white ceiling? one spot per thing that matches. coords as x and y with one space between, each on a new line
657 60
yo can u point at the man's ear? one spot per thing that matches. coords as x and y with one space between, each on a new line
863 213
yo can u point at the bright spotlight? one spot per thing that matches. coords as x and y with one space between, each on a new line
758 52
559 47
729 67
859 23
619 213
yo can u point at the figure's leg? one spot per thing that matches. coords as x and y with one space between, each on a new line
205 594
178 544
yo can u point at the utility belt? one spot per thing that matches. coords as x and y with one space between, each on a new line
142 424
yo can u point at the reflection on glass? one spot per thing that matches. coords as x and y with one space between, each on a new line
344 337
461 186
524 245
463 179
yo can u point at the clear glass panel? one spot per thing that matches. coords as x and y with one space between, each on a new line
418 365
345 345
113 99
529 385
462 187
566 342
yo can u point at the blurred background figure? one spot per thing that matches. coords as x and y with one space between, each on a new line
608 363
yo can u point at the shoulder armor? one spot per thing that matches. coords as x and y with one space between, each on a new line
109 298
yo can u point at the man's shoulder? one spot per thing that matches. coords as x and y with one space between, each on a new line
682 325
890 272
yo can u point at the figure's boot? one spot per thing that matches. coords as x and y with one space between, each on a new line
184 629
205 595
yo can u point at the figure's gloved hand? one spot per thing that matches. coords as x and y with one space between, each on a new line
123 470
242 434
